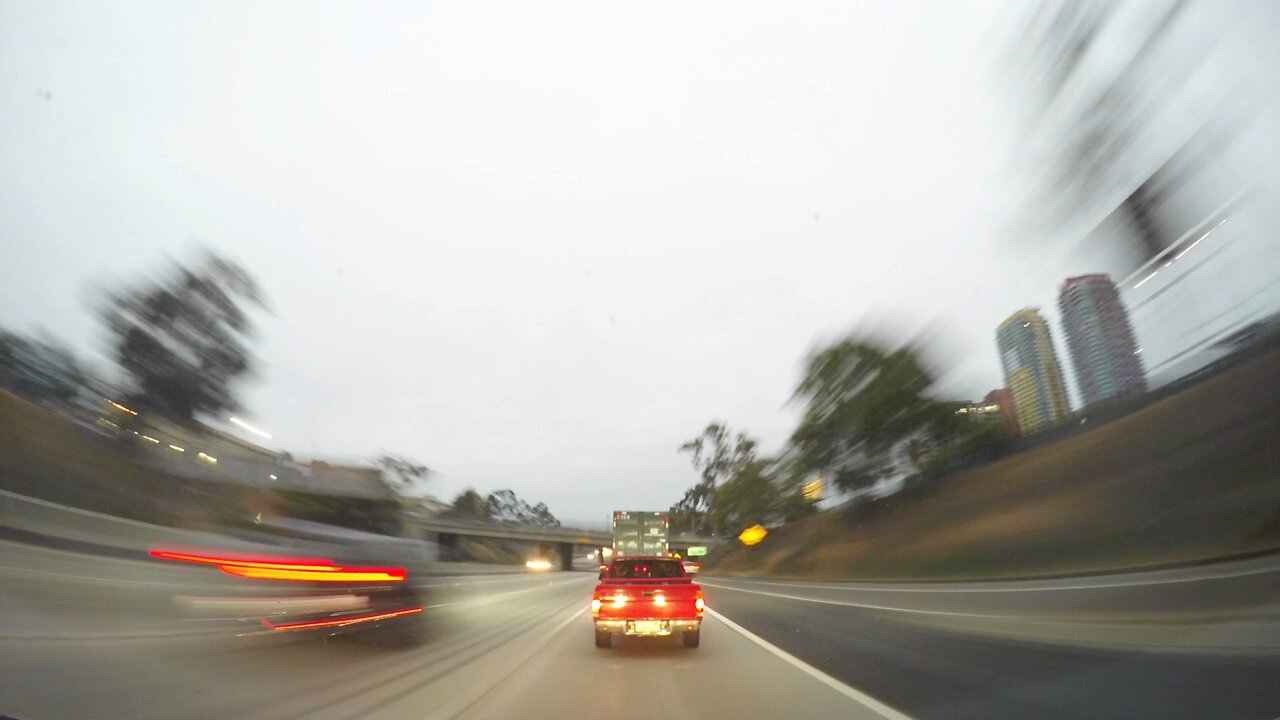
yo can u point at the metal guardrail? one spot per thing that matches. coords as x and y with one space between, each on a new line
50 519
88 528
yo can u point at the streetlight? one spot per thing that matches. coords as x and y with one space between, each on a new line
250 428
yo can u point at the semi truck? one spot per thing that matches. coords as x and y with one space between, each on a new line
640 533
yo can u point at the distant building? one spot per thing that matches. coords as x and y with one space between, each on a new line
201 452
1003 398
362 481
1100 338
996 406
979 411
1031 371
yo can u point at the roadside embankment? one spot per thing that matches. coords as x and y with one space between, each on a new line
1192 478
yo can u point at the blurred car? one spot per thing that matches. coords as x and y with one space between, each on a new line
312 580
647 597
692 567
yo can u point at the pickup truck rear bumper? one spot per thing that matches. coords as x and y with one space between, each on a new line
653 626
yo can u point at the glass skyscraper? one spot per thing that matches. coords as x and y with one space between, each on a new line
1100 339
1031 371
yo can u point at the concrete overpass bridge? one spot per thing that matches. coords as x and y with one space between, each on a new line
446 531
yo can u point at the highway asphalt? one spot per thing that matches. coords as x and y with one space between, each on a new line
1199 643
90 637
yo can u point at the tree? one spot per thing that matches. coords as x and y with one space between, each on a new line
541 515
471 504
861 400
716 454
503 506
737 488
182 340
747 498
401 474
506 506
1085 117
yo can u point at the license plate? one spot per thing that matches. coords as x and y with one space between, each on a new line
649 627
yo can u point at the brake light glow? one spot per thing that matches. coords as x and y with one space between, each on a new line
699 603
239 559
660 600
299 569
619 600
595 605
333 574
339 622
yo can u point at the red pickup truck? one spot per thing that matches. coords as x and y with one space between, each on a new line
647 597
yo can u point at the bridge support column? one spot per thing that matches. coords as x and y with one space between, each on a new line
447 544
566 556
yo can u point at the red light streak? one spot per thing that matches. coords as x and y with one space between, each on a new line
299 569
330 574
338 622
243 559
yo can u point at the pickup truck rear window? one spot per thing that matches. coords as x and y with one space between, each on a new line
641 569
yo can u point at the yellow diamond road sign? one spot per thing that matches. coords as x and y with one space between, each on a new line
753 535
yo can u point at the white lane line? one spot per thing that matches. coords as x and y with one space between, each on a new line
850 692
848 603
1046 588
71 576
463 706
559 626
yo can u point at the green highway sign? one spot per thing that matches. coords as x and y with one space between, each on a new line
697 551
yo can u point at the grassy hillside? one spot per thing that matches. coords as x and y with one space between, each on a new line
46 456
1195 476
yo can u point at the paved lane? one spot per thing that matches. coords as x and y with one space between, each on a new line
952 665
1210 589
500 646
90 637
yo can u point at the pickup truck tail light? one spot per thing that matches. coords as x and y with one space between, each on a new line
595 606
699 603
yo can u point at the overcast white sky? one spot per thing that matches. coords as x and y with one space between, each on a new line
533 245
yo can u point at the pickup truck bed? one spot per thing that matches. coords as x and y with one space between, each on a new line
646 597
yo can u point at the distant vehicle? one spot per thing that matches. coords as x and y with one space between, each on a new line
640 533
691 567
647 597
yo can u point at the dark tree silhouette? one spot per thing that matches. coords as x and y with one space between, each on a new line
182 340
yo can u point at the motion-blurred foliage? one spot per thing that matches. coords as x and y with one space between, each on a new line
737 488
39 369
501 506
182 339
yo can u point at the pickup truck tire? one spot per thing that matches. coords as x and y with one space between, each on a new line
604 639
691 638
